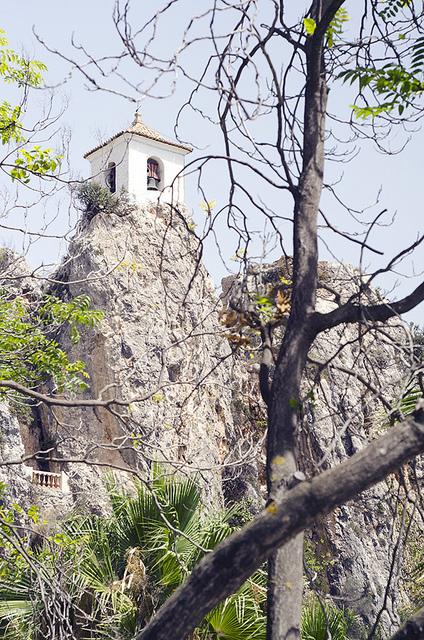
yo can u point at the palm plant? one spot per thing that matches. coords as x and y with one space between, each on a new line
418 576
111 573
169 527
103 577
324 621
15 610
39 599
410 398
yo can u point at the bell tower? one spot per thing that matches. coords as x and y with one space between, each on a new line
141 161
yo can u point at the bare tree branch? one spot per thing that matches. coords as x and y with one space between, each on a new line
349 313
58 401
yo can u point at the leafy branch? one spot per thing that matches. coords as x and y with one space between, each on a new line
29 350
25 74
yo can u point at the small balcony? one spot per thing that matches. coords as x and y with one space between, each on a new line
46 479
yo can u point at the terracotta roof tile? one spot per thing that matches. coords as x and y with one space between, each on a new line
140 129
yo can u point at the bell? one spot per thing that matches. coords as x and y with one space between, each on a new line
152 183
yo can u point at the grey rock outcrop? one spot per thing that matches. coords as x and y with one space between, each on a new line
353 376
157 348
18 477
184 399
21 432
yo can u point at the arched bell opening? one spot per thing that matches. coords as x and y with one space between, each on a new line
110 177
154 175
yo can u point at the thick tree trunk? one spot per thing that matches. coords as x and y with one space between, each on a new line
285 590
285 569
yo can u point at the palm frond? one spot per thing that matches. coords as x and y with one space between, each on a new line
15 608
409 400
238 618
324 621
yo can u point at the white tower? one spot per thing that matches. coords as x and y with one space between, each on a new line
141 161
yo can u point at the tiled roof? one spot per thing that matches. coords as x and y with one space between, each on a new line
140 129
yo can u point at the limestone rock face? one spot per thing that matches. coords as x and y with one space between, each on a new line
21 486
16 476
350 553
357 541
181 397
156 348
21 432
351 406
15 273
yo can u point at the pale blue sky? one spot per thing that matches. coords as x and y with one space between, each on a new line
93 114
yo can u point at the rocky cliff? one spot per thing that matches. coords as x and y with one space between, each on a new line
352 379
157 348
189 401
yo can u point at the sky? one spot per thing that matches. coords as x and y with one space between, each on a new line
91 115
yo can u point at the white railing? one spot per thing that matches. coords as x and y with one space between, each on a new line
47 479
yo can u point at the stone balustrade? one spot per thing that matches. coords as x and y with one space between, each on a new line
47 479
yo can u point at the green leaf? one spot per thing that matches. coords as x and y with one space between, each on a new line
310 26
24 74
396 86
335 28
29 351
